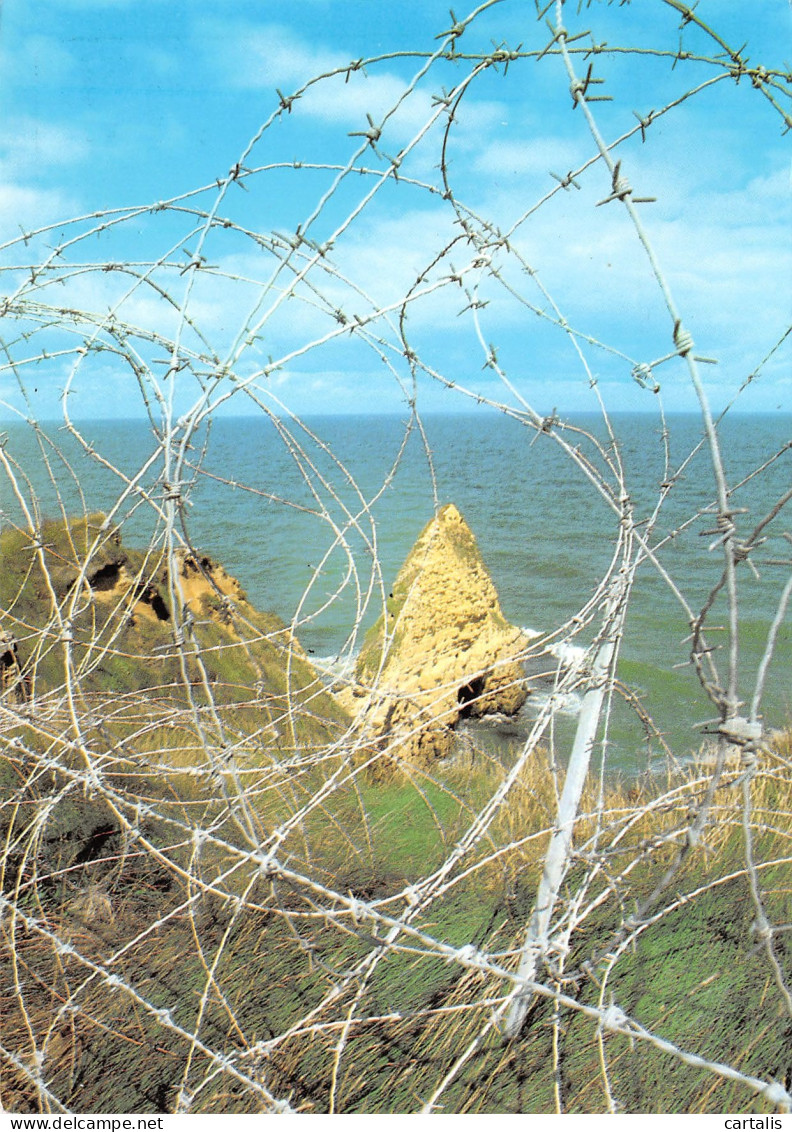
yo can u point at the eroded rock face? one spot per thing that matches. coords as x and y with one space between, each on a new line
138 620
201 578
200 581
446 652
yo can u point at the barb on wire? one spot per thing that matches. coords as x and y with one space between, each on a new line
273 862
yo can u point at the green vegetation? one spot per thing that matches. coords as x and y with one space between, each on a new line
692 976
77 599
147 963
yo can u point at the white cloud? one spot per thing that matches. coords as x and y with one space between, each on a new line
723 242
25 207
256 57
259 58
532 155
589 259
35 58
29 147
724 246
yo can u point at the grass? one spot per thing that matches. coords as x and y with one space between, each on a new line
123 880
692 976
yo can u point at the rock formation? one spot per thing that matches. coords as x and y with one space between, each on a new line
202 585
126 638
443 651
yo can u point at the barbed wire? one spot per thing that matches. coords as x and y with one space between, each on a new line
206 899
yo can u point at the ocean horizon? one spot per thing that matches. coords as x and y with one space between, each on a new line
315 517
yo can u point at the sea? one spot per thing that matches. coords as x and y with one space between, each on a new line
315 517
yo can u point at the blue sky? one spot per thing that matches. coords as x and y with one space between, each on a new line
118 105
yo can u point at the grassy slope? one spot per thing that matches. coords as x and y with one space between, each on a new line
122 648
693 977
239 974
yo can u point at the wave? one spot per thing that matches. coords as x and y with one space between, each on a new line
335 667
569 655
566 703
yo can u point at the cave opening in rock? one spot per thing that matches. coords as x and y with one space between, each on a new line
106 577
468 695
150 596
